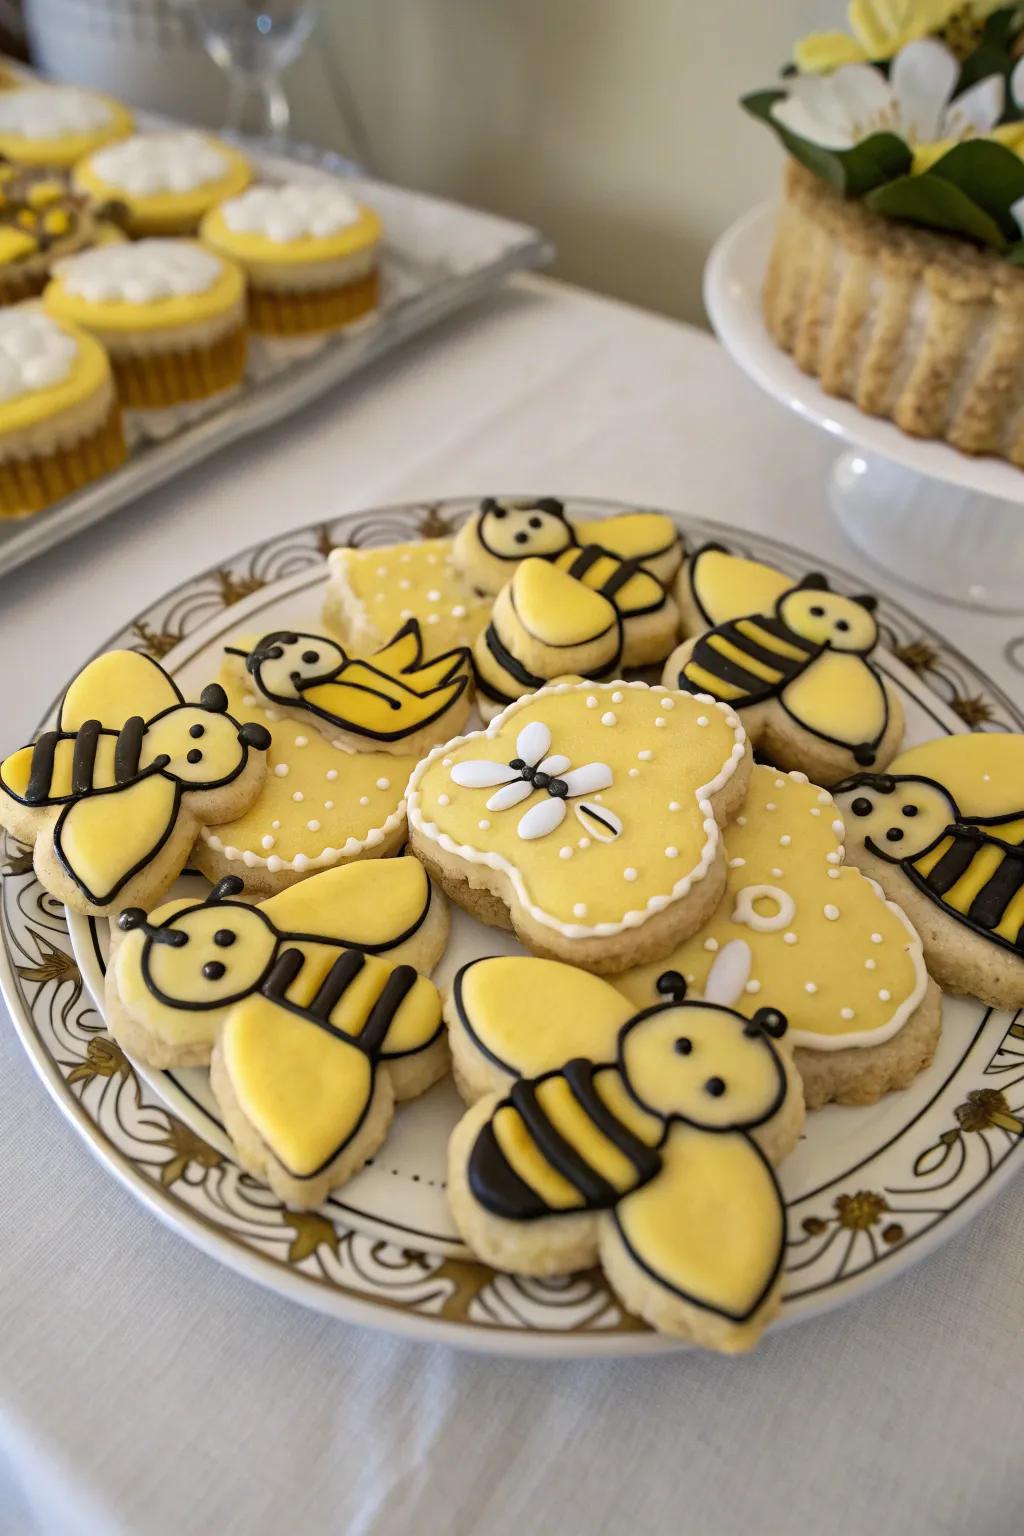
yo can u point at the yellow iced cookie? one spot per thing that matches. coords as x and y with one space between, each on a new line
373 592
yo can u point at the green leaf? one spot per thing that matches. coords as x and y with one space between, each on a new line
999 26
937 204
1016 254
989 174
850 172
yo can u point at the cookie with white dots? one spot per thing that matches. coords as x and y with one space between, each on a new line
372 593
586 817
798 928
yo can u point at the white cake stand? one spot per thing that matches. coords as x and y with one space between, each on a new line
937 519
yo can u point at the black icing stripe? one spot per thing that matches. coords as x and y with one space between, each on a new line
41 769
129 748
579 1074
510 663
495 1183
83 762
397 988
618 579
337 981
954 862
585 561
559 1152
995 896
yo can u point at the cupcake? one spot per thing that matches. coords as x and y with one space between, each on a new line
60 425
309 251
41 221
55 125
166 181
170 313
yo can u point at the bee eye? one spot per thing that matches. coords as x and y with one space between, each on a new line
309 657
195 731
894 835
535 522
861 806
683 1046
224 938
842 624
715 1086
910 810
817 612
195 756
499 511
213 970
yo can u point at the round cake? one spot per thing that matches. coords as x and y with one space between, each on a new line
60 426
166 181
55 125
309 251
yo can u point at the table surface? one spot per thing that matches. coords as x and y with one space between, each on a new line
144 1388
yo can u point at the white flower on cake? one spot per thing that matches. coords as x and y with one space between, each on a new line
34 353
48 112
150 163
291 212
916 103
534 768
140 273
880 28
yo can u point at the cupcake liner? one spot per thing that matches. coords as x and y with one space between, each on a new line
28 485
323 309
161 379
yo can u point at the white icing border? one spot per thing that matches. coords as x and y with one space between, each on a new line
494 860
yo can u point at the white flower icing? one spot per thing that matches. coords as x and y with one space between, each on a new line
34 353
151 163
291 212
46 112
140 273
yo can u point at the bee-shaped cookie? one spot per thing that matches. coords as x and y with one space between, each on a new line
942 831
390 701
310 1041
651 1152
802 678
114 796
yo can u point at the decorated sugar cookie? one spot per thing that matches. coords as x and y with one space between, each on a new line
586 612
646 1153
393 700
815 939
371 593
586 817
943 832
114 796
499 534
175 974
801 674
322 804
715 586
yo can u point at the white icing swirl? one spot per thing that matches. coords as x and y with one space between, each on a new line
34 353
140 273
52 112
291 212
150 163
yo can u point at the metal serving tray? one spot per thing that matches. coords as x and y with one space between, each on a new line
437 257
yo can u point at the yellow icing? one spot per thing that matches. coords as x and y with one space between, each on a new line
668 1082
727 586
749 663
982 771
303 1089
416 580
159 207
371 902
102 837
526 1159
630 535
90 373
66 149
113 687
534 1015
655 767
752 630
564 1111
838 696
830 954
346 828
556 609
226 290
616 1097
639 591
711 1224
251 246
16 243
828 618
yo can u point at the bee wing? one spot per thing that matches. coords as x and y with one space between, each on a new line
114 687
541 818
105 838
375 905
711 1225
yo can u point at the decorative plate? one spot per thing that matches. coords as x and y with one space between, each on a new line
868 1190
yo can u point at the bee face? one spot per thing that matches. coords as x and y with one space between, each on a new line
284 663
201 747
827 618
209 956
703 1063
896 818
512 532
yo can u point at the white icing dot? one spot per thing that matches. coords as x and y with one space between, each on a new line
780 783
673 805
789 938
405 613
281 770
736 863
777 872
668 703
404 584
671 852
608 718
769 805
433 596
846 1013
298 796
313 826
711 945
876 938
884 995
838 828
785 840
405 559
584 842
833 874
809 986
459 611
831 912
444 800
383 783
580 909
824 798
616 697
433 618
302 741
484 825
815 810
566 852
634 773
364 799
446 762
275 826
986 778
267 842
835 857
382 570
331 774
741 821
871 965
753 987
629 874
591 700
660 720
328 805
702 720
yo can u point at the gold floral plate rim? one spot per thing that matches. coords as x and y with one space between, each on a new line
366 1280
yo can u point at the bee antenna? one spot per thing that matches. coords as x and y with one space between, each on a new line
768 1021
214 698
133 918
253 735
231 885
672 984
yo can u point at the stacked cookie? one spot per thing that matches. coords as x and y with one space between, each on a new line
702 963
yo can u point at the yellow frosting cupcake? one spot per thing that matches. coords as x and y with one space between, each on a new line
309 251
166 181
59 420
56 125
170 313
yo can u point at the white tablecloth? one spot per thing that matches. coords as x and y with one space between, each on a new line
143 1388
